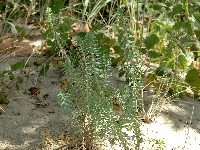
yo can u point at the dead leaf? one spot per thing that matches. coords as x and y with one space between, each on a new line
34 90
7 46
64 83
196 65
1 109
22 48
87 28
116 106
78 27
46 49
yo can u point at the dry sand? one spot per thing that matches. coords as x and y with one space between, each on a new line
29 123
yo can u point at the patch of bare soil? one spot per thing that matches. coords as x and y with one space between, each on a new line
38 122
27 119
178 126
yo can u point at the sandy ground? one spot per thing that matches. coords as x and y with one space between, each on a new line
30 122
178 126
26 118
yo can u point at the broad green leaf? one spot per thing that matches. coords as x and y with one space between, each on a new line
169 4
188 28
48 53
66 26
44 69
19 29
157 6
17 87
50 43
20 79
96 27
197 16
193 78
1 6
121 72
178 25
197 33
64 37
3 99
68 42
2 75
115 61
192 9
143 50
11 76
17 66
153 54
108 41
118 50
151 77
81 34
57 5
160 71
104 50
150 41
137 43
182 60
52 49
48 33
99 37
178 8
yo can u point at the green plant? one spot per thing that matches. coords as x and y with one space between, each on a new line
93 12
160 144
92 102
160 43
91 9
15 81
177 46
56 34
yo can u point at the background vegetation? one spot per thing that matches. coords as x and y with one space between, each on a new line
154 45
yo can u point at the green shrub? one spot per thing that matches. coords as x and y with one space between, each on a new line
97 109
